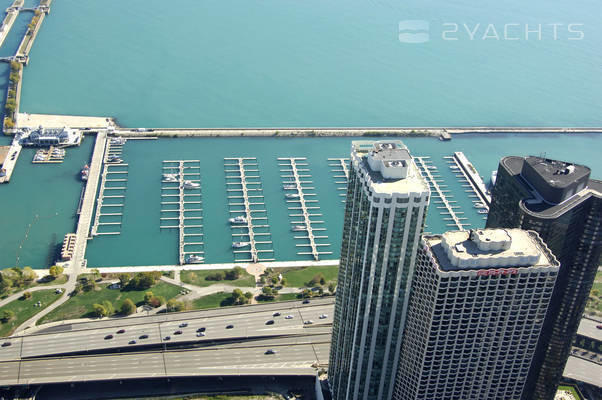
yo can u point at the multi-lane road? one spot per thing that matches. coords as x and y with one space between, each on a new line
95 351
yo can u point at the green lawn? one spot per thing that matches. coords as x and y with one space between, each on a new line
25 309
211 301
572 390
300 277
80 306
197 278
60 280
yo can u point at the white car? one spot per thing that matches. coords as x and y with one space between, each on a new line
323 316
288 317
308 322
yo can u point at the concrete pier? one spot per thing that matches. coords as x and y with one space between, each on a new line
471 175
12 13
237 174
294 181
339 166
11 161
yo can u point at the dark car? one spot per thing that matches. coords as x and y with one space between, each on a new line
270 322
599 326
6 344
132 342
183 325
108 337
229 326
178 332
270 351
201 329
167 338
145 336
276 314
121 331
305 301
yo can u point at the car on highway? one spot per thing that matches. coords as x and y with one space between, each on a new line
288 317
229 326
145 336
132 342
599 326
167 338
270 351
6 344
183 325
202 329
200 334
323 316
308 322
305 301
108 337
121 331
178 332
269 322
276 314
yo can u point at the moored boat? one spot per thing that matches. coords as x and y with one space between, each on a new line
238 245
191 185
238 220
298 228
85 172
194 259
292 195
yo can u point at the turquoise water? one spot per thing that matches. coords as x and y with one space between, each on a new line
224 63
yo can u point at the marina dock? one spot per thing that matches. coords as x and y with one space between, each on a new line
339 166
295 192
11 161
53 155
180 191
246 205
443 195
111 195
12 13
473 182
87 205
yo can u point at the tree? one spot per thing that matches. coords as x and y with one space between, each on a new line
283 281
124 279
7 315
26 295
109 307
248 295
267 290
332 287
99 310
144 280
216 276
148 296
306 293
274 280
29 275
174 305
128 307
318 278
322 281
157 301
238 297
55 271
95 273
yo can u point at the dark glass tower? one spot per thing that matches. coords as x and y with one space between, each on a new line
559 201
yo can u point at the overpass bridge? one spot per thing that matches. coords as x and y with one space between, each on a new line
150 347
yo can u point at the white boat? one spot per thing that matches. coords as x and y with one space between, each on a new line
479 205
114 159
239 245
170 177
118 140
292 195
289 187
85 172
493 178
238 220
191 185
298 228
482 211
194 259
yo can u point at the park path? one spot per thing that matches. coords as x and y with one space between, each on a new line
18 295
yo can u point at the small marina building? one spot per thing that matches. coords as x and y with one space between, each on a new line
52 137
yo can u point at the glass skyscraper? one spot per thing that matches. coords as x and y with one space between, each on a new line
386 205
563 205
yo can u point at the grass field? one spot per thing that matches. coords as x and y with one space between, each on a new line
197 278
300 277
25 309
572 391
211 301
595 301
80 306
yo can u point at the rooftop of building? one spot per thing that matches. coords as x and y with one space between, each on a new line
390 167
489 249
555 186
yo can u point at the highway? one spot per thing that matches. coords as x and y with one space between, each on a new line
63 357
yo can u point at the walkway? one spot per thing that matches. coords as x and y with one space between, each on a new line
18 295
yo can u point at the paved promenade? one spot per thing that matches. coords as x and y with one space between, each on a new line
58 121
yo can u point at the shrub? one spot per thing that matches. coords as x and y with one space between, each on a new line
6 316
55 270
99 310
128 307
174 305
26 295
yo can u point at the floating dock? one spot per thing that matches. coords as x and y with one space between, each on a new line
451 216
68 247
246 202
181 207
108 217
54 155
473 183
339 166
295 192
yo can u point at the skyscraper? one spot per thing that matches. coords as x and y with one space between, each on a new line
477 306
559 201
386 205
